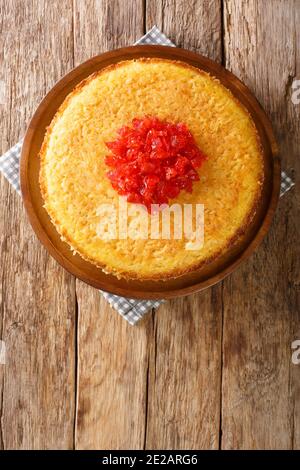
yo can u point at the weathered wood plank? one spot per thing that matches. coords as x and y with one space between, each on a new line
261 300
184 374
112 371
101 25
185 357
112 355
37 296
194 25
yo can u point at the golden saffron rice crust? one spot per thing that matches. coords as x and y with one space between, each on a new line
73 177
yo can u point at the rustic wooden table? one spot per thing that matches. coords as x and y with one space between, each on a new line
212 370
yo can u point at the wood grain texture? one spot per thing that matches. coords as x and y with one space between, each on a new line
112 376
37 296
184 373
194 25
112 356
102 25
260 393
185 352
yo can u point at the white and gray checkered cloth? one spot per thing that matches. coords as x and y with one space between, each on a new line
130 309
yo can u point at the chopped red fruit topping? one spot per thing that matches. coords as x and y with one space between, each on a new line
153 160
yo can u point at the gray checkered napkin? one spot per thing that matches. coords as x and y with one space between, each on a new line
130 309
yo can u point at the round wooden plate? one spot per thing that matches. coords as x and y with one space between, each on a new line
207 275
